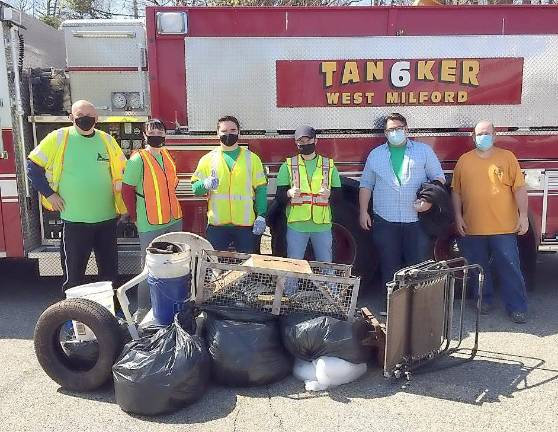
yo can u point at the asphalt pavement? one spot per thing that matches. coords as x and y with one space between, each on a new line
511 385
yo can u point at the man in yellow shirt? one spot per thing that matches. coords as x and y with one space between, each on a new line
490 203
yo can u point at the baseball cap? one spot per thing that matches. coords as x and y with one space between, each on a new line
304 131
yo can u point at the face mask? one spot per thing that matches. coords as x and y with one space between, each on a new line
484 142
306 149
155 140
228 139
396 137
85 123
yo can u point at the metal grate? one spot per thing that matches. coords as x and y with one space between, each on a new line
420 314
276 285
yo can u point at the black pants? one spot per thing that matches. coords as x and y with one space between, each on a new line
78 240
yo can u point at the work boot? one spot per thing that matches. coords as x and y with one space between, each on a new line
518 317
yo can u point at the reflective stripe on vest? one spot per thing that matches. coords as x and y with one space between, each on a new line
55 164
159 188
310 205
233 200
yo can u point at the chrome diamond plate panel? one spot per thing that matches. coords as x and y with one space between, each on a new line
102 43
237 76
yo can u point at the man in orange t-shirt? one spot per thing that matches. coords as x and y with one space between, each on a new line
490 203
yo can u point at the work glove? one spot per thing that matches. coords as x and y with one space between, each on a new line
293 192
259 226
325 193
211 182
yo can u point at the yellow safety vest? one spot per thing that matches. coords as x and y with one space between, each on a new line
310 205
233 200
49 154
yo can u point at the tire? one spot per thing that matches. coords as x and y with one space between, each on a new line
53 360
346 214
366 262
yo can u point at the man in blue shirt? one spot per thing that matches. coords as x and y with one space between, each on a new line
393 174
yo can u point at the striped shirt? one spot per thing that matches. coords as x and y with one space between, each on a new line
393 201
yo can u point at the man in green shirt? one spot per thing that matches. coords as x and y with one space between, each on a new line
307 184
147 167
78 171
234 181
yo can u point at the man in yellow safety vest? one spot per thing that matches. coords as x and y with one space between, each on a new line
78 172
234 181
149 191
307 183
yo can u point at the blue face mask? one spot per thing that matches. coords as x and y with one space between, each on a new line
484 142
396 137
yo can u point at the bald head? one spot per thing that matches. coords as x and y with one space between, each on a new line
483 137
84 116
484 127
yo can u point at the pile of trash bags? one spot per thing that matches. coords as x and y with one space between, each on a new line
172 367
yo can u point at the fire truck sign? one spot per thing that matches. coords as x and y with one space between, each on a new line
389 82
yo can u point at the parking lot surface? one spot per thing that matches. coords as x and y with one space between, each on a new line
511 385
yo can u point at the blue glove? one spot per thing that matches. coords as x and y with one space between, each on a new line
259 225
211 183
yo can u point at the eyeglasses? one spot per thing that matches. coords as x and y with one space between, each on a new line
395 129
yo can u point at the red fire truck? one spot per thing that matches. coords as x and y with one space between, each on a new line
338 69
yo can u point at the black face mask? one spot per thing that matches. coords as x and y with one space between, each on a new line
306 149
155 140
85 123
228 139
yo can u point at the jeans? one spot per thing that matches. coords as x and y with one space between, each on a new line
399 244
145 238
502 248
221 237
321 244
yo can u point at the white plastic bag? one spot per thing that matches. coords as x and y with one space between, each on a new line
333 371
304 371
326 372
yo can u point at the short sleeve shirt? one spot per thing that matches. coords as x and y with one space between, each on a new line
283 179
486 187
133 176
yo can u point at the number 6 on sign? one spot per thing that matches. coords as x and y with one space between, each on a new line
400 75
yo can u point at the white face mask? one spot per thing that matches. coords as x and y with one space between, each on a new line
397 137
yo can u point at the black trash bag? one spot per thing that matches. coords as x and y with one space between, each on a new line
309 338
246 354
187 317
161 373
240 312
82 355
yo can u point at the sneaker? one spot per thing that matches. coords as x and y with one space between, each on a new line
518 317
486 308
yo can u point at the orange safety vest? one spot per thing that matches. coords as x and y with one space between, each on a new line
159 188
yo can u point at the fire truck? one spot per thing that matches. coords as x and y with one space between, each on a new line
339 69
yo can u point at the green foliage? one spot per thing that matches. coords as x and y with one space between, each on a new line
53 21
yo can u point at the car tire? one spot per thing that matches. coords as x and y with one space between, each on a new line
51 356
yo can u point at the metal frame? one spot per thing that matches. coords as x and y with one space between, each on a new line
212 260
417 277
197 245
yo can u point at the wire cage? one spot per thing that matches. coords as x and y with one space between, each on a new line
276 285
